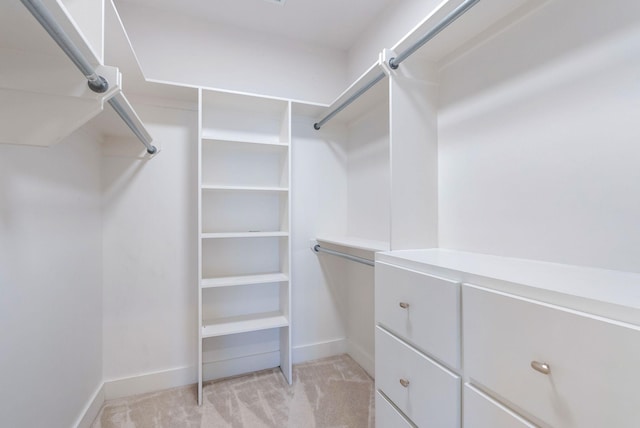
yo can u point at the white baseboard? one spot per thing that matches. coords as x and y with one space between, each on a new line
240 365
166 379
92 408
149 382
319 350
362 357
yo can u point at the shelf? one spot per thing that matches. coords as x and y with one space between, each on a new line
226 139
231 281
243 188
224 235
243 324
356 243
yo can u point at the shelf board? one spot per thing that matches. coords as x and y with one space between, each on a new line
355 243
244 188
230 281
222 235
213 138
243 324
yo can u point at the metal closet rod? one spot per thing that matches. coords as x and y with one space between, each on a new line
395 61
318 249
95 82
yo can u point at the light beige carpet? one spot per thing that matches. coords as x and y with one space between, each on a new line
333 392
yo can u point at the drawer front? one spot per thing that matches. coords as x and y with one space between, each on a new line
430 318
481 411
432 396
387 416
594 364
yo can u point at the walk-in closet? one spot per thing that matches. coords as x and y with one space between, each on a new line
291 213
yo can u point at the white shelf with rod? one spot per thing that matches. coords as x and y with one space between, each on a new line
244 246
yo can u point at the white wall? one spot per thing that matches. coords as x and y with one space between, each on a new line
319 206
149 250
368 172
50 282
539 136
181 49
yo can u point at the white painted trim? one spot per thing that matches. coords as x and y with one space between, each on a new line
365 359
240 365
150 382
91 410
315 351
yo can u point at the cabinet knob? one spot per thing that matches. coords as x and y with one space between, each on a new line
404 305
541 367
404 382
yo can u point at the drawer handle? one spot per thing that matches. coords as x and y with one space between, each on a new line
404 305
404 382
541 367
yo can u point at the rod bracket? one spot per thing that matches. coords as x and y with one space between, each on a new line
99 85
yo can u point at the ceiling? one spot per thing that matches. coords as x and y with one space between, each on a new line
331 23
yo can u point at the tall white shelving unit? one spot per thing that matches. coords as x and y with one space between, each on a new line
244 244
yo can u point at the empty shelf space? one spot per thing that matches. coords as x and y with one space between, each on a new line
243 324
213 139
230 281
224 235
214 187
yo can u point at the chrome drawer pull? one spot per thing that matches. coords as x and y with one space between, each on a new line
404 382
404 305
541 367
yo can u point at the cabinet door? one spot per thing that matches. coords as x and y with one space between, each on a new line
593 363
422 309
387 416
481 411
423 390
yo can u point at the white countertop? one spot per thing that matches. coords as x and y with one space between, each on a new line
607 293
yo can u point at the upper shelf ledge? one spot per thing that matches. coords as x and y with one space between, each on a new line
44 96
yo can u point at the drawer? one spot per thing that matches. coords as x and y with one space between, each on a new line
594 363
431 321
387 416
481 411
432 396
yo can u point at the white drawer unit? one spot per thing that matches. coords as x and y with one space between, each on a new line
388 416
543 344
481 411
426 392
563 367
422 309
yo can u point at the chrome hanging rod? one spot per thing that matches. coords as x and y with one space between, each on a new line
151 149
95 82
450 18
395 61
318 249
348 101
